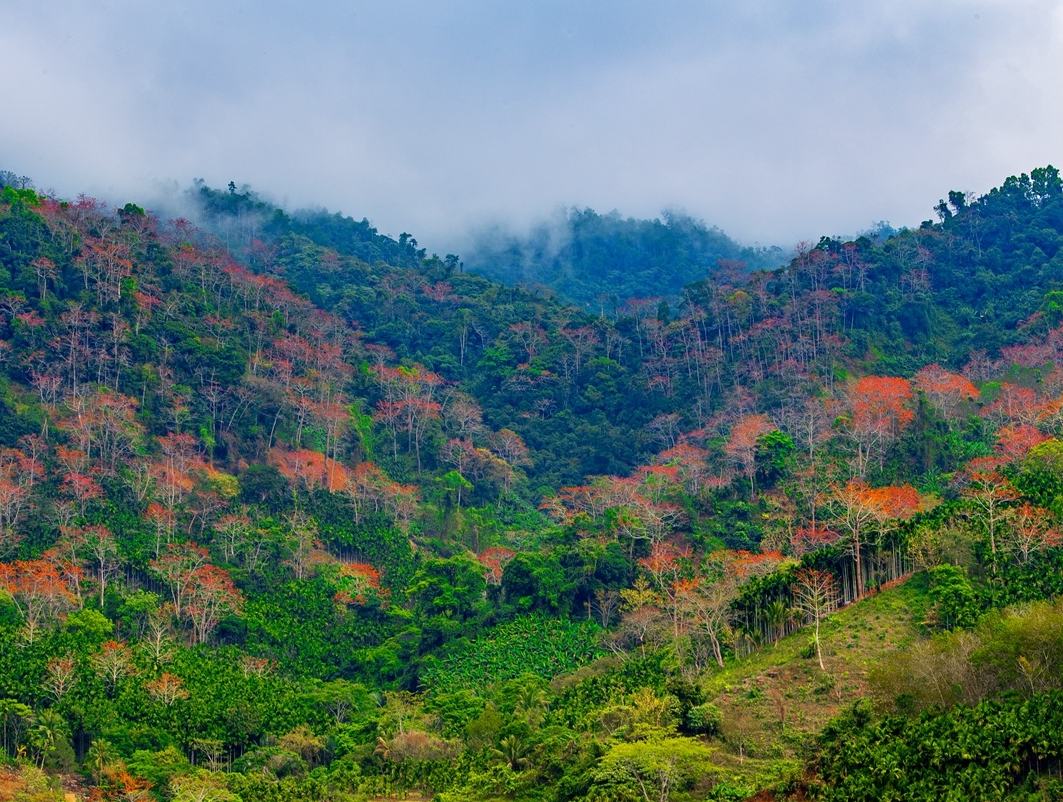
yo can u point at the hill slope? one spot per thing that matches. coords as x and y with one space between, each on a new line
604 260
278 496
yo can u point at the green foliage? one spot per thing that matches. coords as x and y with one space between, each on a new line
989 751
703 719
536 582
1040 578
448 595
531 644
775 456
588 257
954 598
1017 650
670 768
1040 476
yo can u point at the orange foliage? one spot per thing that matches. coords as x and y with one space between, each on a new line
742 445
38 590
881 402
747 564
357 580
211 594
312 468
812 537
858 506
1031 531
168 688
945 390
1014 404
666 558
494 559
691 462
1015 442
118 785
879 410
369 488
894 501
18 476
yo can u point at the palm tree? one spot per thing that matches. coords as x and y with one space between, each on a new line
777 614
48 730
100 754
513 751
530 701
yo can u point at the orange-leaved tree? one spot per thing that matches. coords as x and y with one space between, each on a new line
879 408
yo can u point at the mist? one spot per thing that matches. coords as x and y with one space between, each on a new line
777 122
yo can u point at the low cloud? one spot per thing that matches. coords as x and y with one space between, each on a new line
777 121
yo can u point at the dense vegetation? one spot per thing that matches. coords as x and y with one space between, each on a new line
290 510
601 261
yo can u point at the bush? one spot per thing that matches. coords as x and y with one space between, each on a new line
704 719
808 651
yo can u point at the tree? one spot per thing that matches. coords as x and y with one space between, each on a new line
370 490
1015 442
45 270
19 473
494 560
408 403
651 770
303 543
60 676
946 391
692 464
669 568
453 485
156 639
357 583
878 410
38 591
809 538
642 620
742 444
48 735
102 549
706 603
989 493
113 661
15 720
103 425
1030 530
815 597
859 508
1014 405
211 594
449 592
177 567
167 689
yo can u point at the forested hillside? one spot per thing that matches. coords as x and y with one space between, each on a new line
292 510
601 261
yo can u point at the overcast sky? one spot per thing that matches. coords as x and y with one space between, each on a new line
778 121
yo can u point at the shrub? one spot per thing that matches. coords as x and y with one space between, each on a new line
704 719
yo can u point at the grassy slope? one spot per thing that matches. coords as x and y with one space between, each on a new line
776 700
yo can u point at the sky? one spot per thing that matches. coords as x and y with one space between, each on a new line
777 121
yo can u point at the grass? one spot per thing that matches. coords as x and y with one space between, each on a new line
776 700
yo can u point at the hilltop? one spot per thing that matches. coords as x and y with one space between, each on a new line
291 509
602 261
